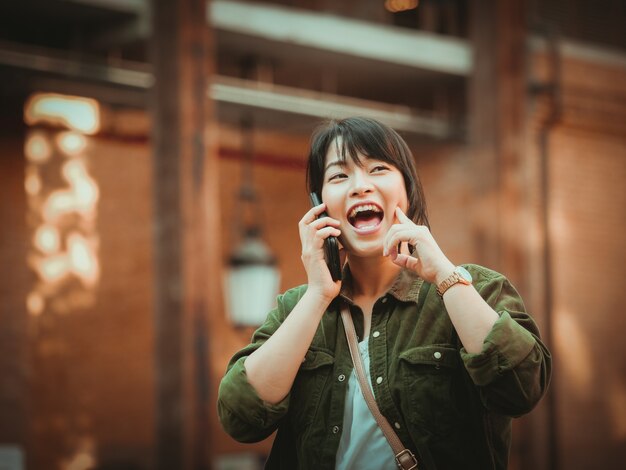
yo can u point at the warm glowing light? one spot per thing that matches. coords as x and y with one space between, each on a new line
35 303
80 259
64 245
560 225
81 114
571 343
83 457
71 143
395 6
82 195
82 461
32 182
83 259
85 188
53 268
47 239
59 203
37 149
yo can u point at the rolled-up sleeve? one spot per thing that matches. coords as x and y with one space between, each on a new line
513 369
242 413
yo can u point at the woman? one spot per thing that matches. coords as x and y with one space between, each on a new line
448 371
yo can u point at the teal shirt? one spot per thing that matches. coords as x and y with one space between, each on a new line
362 444
453 408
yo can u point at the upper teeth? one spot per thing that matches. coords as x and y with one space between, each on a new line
363 208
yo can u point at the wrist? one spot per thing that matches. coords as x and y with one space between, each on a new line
459 275
443 273
318 296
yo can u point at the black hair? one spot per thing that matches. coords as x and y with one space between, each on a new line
371 139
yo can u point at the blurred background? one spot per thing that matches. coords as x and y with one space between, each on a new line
152 177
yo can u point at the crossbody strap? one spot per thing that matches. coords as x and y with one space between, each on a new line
404 457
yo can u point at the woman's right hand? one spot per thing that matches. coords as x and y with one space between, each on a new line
289 344
313 232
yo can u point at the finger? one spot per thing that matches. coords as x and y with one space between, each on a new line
316 242
408 250
313 213
402 216
324 222
391 235
386 239
326 232
406 261
391 251
395 237
396 227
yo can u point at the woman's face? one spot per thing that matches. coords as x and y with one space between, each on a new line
364 199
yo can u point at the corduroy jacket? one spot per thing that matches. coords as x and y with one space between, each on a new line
453 409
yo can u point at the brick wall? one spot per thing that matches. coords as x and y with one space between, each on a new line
587 204
587 216
94 369
93 381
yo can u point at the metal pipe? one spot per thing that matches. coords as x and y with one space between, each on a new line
553 90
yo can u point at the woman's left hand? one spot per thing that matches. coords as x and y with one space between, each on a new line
427 259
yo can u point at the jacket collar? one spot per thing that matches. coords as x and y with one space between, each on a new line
405 288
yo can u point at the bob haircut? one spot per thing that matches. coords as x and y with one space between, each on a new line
371 139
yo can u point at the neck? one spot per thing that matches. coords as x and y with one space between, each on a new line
372 276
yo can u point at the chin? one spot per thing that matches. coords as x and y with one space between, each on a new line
364 250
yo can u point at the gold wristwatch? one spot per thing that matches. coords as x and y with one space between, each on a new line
460 275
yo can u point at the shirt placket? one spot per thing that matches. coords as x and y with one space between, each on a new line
341 373
379 369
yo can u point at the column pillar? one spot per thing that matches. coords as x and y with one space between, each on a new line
184 196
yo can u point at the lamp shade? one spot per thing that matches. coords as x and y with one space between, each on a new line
252 282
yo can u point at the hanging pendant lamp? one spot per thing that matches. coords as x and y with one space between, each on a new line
252 277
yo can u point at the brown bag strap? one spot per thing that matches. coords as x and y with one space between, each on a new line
404 457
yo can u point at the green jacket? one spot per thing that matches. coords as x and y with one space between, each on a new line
451 408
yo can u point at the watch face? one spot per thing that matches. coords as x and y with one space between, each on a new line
464 273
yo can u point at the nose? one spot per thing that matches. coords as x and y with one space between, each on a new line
361 183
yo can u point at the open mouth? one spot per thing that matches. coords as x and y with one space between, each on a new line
365 217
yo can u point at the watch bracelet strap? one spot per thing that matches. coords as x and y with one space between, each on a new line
447 283
404 457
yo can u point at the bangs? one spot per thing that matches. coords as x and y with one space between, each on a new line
351 138
352 141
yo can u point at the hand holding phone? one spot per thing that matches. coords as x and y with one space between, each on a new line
331 245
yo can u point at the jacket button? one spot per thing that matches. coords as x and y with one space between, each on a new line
384 300
379 380
397 425
341 378
335 429
437 355
376 334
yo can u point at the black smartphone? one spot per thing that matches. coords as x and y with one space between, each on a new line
331 245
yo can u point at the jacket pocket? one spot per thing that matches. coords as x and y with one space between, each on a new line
306 392
429 380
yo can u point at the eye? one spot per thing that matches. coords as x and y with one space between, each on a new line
379 168
337 176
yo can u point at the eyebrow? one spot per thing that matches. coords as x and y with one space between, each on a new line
335 163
